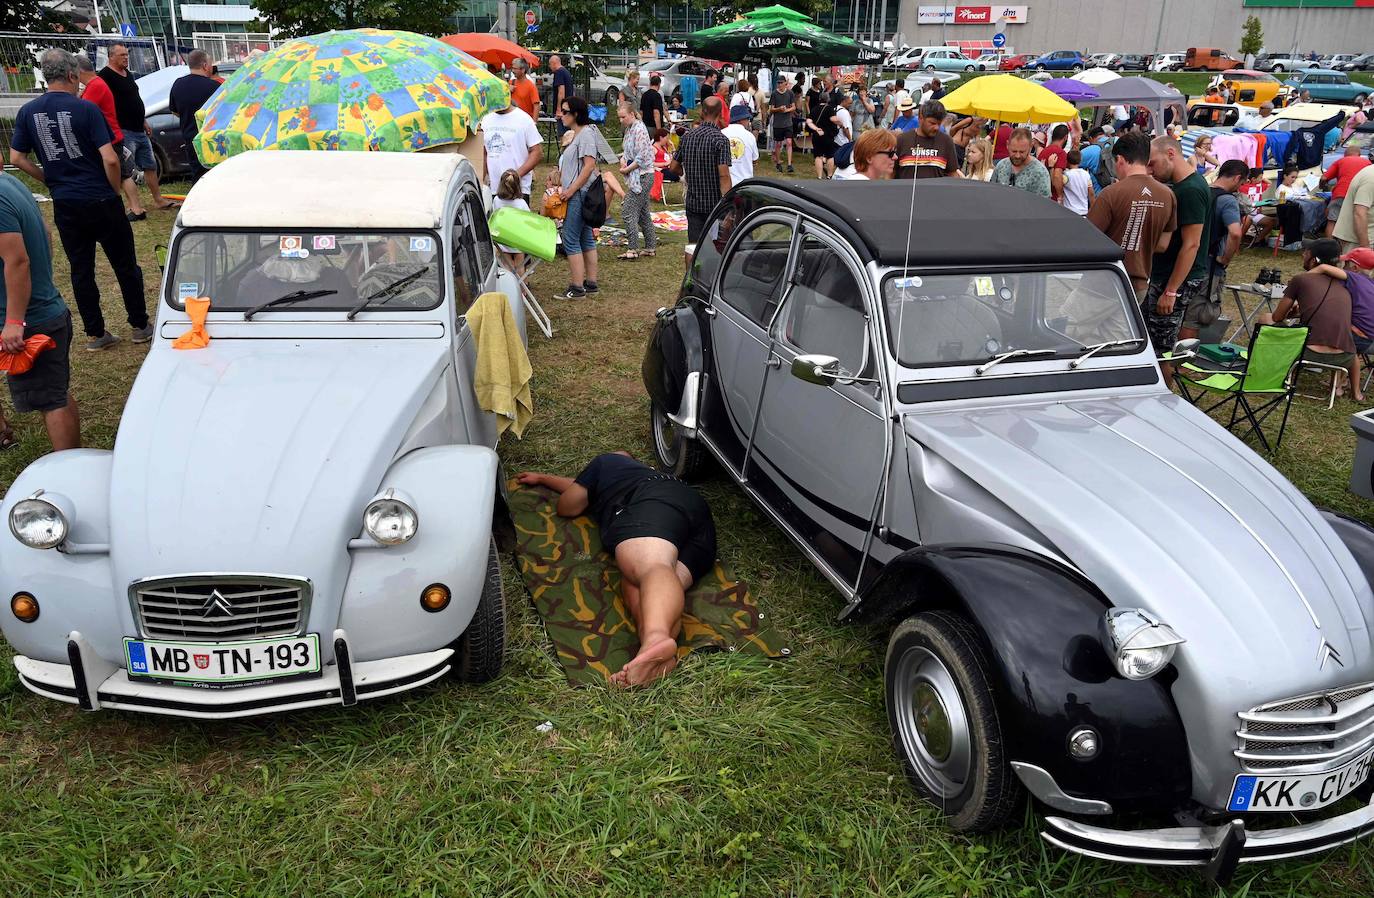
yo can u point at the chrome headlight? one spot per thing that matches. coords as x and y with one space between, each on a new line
1140 645
39 522
390 518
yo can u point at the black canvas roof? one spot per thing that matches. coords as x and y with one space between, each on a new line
956 222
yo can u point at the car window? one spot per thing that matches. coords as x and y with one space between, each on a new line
948 319
481 237
464 263
824 312
753 273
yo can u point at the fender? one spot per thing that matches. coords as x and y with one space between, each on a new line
675 350
1357 536
1039 620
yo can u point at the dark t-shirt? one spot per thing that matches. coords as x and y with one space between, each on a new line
129 110
609 478
813 101
563 77
781 98
649 101
19 215
1324 306
188 94
1226 212
1194 197
66 134
926 157
1134 212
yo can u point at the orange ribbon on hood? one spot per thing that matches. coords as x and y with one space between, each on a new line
20 362
196 337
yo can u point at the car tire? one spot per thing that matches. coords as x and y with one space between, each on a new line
1359 100
1040 68
1077 67
675 452
968 68
930 69
944 721
481 650
1277 69
612 96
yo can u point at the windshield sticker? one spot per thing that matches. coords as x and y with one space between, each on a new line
421 244
188 290
289 246
906 283
322 241
984 286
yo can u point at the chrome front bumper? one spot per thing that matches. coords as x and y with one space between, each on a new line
1220 848
94 684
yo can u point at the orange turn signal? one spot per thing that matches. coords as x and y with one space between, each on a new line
25 607
435 597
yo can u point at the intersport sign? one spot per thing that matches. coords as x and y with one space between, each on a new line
971 15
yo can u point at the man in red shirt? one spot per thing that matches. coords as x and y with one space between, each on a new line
98 92
523 93
1056 159
1342 171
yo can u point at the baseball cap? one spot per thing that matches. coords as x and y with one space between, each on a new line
906 105
1323 249
1362 256
1109 130
740 113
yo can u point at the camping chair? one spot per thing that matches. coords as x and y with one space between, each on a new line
1337 373
1269 375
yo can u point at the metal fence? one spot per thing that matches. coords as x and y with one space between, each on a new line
233 47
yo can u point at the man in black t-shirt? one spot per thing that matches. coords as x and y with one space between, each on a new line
651 105
188 94
131 115
660 532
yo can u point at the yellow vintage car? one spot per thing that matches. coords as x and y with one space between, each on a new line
1252 88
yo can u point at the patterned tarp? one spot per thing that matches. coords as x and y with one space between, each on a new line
576 590
363 89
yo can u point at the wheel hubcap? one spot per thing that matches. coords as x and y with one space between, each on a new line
932 723
665 437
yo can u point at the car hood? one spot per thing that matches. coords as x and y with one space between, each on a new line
259 455
1164 510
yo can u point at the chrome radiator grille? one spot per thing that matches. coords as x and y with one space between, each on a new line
220 607
1318 731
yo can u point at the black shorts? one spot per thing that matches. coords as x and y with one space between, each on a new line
782 132
823 147
43 388
669 509
696 225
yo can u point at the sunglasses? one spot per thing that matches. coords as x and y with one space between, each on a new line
891 154
565 112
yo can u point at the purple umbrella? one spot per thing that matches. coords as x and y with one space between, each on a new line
1070 90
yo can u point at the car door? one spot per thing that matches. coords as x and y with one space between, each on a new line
473 260
818 453
743 303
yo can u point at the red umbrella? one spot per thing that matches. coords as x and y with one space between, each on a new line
491 49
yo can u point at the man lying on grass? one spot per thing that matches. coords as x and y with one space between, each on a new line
660 532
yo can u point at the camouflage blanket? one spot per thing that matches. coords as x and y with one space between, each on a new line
576 590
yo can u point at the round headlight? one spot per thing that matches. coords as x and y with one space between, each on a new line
1140 645
389 520
38 523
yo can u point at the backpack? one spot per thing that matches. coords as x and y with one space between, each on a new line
594 202
1106 168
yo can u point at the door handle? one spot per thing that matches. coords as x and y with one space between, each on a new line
708 310
774 361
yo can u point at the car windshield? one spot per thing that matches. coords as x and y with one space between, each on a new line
952 319
240 270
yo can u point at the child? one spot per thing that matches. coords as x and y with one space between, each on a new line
1078 185
508 195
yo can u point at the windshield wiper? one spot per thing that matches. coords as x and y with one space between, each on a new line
389 288
288 299
1008 356
1090 351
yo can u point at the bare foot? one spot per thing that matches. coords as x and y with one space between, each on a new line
655 660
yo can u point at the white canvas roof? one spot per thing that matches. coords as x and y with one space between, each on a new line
269 188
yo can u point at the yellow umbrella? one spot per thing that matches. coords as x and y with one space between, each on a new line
1007 98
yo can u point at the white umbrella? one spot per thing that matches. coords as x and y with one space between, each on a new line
1096 76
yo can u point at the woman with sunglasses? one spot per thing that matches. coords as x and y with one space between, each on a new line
875 155
577 167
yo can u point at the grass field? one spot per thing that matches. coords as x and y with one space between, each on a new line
734 777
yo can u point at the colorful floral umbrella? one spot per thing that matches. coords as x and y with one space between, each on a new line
364 89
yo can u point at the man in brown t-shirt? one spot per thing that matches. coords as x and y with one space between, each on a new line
1322 304
926 151
1136 211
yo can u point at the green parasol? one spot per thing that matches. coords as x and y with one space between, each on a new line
775 35
362 89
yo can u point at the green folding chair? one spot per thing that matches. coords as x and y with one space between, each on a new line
1269 376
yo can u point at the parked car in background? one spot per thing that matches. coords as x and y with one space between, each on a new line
347 550
1252 88
1209 59
1017 62
911 57
1362 138
1361 63
1167 62
672 70
974 446
587 76
1336 61
1103 60
1133 62
1326 86
1281 62
170 149
947 59
1059 61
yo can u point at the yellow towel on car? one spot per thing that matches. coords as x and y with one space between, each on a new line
502 378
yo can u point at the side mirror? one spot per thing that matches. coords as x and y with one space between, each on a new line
816 369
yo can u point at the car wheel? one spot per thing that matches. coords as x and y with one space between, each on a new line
680 456
968 68
1077 67
930 69
1276 69
481 649
1359 101
612 96
1040 68
944 721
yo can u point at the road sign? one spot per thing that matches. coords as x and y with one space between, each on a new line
531 29
126 29
999 40
530 17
